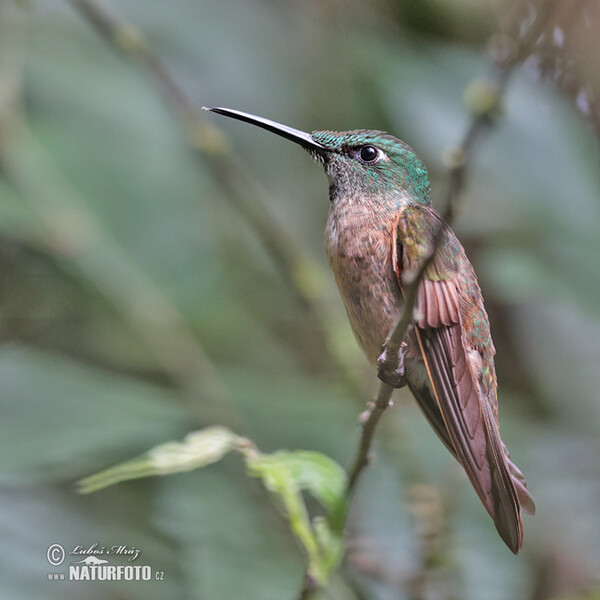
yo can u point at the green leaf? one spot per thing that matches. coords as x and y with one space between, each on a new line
198 449
322 477
331 543
287 474
278 479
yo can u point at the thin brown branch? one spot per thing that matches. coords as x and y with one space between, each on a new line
486 109
482 120
375 412
130 41
235 181
309 586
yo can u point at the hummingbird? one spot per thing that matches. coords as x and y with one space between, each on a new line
381 228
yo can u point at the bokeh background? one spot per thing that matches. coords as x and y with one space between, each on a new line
139 301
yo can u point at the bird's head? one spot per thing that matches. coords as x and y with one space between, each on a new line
359 163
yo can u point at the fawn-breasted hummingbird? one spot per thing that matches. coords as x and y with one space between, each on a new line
381 228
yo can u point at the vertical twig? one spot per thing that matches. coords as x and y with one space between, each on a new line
246 195
375 412
484 115
68 230
233 179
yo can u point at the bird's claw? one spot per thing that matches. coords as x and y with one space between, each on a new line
390 374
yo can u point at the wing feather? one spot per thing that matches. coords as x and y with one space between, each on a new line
460 403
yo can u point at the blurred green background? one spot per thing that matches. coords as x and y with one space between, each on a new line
137 302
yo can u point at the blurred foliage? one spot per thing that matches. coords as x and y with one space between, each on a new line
285 474
137 305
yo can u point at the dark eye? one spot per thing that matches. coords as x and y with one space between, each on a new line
368 154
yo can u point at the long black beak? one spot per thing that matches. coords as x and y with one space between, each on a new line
289 133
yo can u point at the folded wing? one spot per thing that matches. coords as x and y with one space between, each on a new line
452 332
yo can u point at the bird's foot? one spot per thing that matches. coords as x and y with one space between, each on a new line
389 373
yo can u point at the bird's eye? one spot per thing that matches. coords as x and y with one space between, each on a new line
369 154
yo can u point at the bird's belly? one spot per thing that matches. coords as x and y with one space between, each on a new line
361 260
370 294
